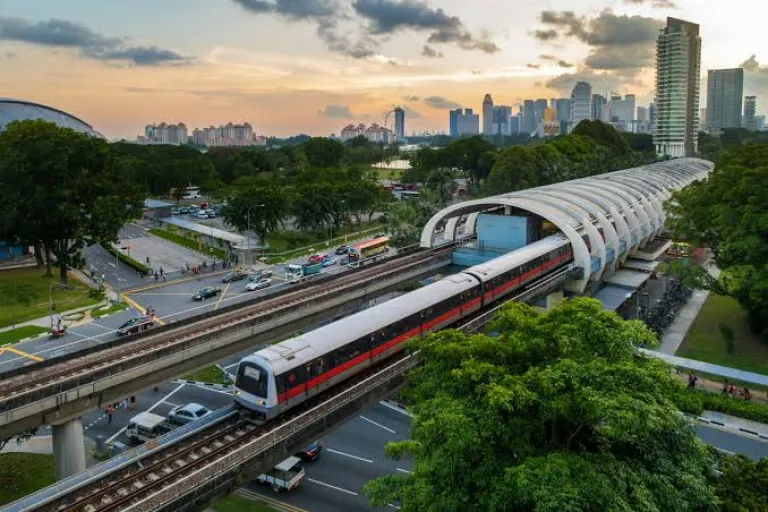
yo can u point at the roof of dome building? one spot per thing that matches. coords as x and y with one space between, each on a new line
17 110
618 212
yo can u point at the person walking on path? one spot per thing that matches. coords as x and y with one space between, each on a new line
725 386
110 410
692 378
132 405
162 274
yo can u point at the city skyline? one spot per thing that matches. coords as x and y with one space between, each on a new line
118 67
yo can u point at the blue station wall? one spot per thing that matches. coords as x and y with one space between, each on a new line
504 231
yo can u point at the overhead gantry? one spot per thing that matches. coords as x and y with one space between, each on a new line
619 212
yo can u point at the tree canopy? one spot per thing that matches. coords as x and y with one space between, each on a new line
743 485
729 213
63 189
557 412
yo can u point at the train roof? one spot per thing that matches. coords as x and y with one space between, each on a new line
516 258
306 347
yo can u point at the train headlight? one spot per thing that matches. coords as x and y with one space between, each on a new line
261 402
237 393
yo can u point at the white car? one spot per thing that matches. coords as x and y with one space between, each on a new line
202 214
258 285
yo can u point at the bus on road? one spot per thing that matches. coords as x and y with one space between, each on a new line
368 249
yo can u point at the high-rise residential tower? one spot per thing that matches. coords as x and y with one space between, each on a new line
725 88
563 108
539 107
599 108
501 120
529 117
399 124
581 103
750 106
488 114
453 122
678 64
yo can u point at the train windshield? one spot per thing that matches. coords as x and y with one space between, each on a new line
252 379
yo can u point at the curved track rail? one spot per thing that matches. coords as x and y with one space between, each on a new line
36 380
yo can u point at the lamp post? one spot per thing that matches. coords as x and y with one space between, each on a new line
248 222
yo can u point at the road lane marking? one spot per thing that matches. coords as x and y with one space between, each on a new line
223 293
348 455
318 482
403 470
170 403
21 353
723 451
134 304
166 397
378 424
112 265
395 408
232 365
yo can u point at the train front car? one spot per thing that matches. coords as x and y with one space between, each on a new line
255 390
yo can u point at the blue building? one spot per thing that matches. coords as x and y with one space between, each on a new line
453 122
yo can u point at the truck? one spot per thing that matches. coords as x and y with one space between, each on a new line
296 272
285 476
145 426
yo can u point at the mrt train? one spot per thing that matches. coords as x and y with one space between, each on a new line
286 374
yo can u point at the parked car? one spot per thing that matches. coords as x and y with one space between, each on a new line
184 210
258 285
237 275
176 210
184 414
329 260
311 452
206 293
211 214
342 250
316 258
202 214
260 274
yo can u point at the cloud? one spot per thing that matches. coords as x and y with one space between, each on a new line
441 103
533 66
336 112
658 4
67 34
566 19
620 57
410 98
430 52
545 35
755 78
10 55
560 62
411 113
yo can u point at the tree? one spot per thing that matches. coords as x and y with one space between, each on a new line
322 152
401 218
516 168
743 485
557 412
440 181
64 187
258 204
728 213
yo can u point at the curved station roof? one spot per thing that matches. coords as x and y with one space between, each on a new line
626 205
18 110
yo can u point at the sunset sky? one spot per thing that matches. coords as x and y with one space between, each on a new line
313 66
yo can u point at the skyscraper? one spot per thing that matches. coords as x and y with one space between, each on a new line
529 117
599 108
581 103
468 123
563 108
488 114
750 106
501 120
539 107
652 115
678 63
453 122
725 88
399 124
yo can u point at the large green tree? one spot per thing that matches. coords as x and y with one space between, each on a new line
556 412
743 484
259 204
729 213
63 188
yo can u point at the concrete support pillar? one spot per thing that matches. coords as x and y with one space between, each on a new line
550 302
68 448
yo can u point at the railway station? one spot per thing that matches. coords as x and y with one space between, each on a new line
595 236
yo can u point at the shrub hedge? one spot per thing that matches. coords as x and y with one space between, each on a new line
138 266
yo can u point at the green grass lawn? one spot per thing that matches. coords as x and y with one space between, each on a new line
19 334
24 295
190 243
114 308
705 343
23 473
211 374
234 503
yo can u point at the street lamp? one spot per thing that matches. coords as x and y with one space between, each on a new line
248 221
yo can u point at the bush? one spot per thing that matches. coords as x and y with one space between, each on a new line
140 267
754 411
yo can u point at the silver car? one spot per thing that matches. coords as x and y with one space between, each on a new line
184 414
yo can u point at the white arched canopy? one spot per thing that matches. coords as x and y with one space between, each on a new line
626 205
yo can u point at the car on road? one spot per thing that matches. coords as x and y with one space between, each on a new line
316 258
258 285
342 250
329 260
206 293
145 426
184 414
311 452
286 476
260 274
135 325
237 275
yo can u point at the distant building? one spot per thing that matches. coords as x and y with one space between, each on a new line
468 123
678 65
539 107
563 108
549 126
702 117
399 124
621 111
488 114
453 122
164 133
581 103
514 124
642 114
725 89
760 123
750 106
642 123
374 133
225 135
599 108
529 116
502 117
652 114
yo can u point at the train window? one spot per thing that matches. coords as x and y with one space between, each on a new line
252 378
315 368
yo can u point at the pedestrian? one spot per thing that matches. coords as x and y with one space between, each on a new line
725 386
213 267
731 391
147 260
187 264
156 389
746 394
205 265
133 403
692 378
103 277
110 410
157 276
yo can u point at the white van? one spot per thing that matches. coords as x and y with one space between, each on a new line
145 426
286 476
